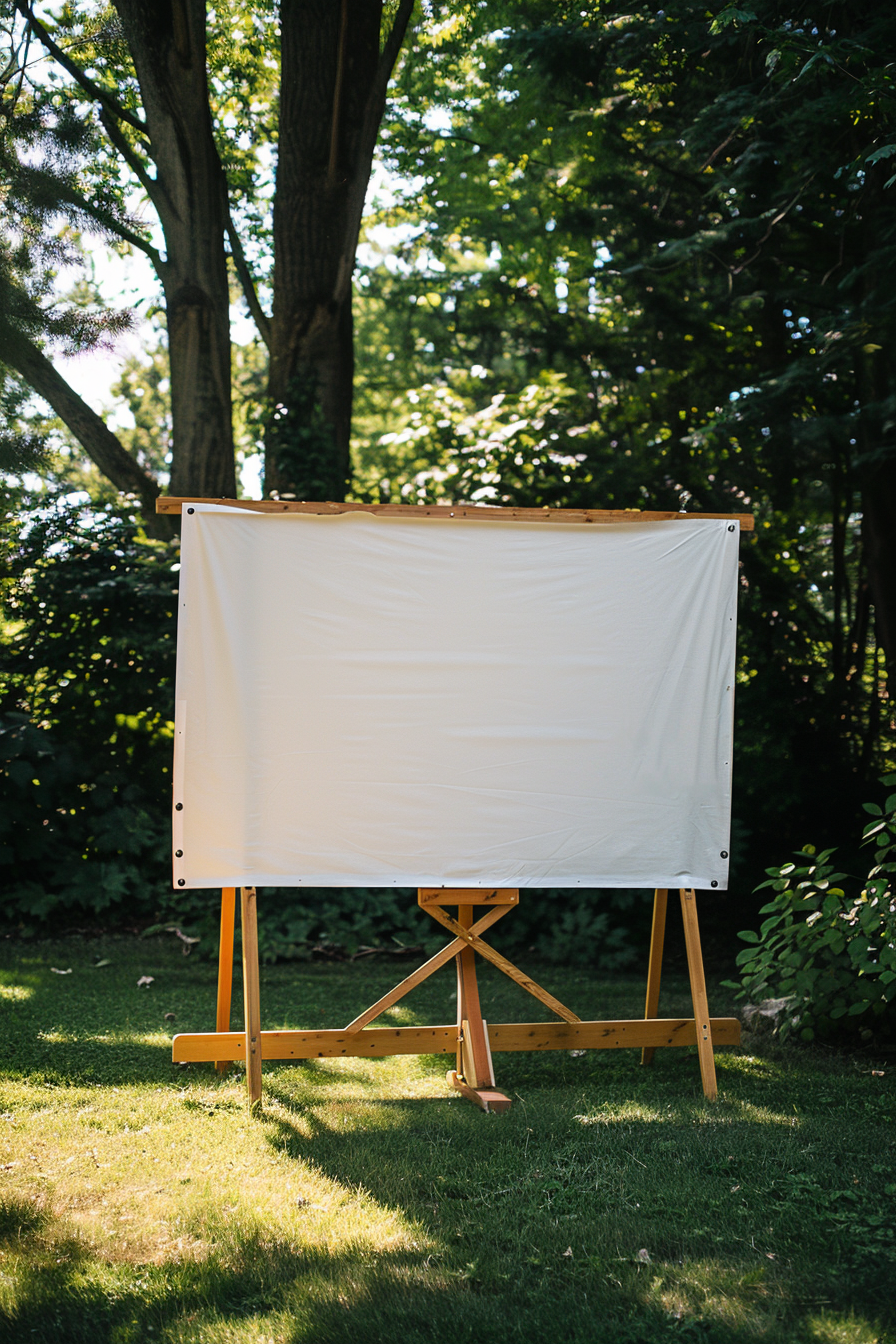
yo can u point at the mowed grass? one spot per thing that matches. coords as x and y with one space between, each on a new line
140 1200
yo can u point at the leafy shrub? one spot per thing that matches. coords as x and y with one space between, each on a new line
86 703
605 930
826 953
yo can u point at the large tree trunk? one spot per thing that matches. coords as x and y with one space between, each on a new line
333 91
877 474
876 384
879 544
167 43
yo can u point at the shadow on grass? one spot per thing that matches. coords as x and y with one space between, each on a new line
261 1287
648 1211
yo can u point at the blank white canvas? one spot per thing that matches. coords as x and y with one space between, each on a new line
366 700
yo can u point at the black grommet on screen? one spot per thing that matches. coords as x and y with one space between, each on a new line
724 854
178 807
181 882
193 511
178 853
730 525
713 884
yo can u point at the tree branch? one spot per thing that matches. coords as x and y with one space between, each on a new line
115 226
87 84
392 45
260 317
101 445
113 130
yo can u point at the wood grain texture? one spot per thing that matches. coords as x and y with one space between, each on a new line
698 994
225 966
251 995
174 504
655 962
378 1042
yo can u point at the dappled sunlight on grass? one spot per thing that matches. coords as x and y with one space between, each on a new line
353 1079
836 1328
155 1038
367 1201
727 1111
15 993
233 1278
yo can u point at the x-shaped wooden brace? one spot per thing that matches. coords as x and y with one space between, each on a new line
474 1076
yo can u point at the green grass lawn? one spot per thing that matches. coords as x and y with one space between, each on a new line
139 1200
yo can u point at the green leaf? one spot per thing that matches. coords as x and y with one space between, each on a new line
731 15
748 936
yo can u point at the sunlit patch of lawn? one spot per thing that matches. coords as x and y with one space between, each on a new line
139 1200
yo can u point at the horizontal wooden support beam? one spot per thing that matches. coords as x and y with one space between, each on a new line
621 1035
427 896
377 1042
174 504
373 1041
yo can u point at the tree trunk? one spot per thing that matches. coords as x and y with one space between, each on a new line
333 91
167 42
879 545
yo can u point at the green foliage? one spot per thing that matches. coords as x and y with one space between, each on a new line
825 954
629 268
86 698
300 441
604 930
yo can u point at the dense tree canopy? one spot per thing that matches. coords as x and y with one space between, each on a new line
614 256
154 125
648 260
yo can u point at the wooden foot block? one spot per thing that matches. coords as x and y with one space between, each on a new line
486 1098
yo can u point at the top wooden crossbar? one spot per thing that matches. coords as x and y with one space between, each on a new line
173 504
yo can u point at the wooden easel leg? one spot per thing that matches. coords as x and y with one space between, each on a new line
477 1068
251 999
225 966
461 1012
655 964
698 994
474 1076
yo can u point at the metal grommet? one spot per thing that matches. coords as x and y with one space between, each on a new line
713 884
193 511
178 807
181 882
730 525
178 853
724 854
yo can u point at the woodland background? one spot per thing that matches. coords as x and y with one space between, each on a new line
608 256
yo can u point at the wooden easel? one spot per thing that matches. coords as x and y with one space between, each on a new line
471 1037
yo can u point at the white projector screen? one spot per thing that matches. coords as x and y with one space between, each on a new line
370 700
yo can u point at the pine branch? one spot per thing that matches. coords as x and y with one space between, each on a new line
96 91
